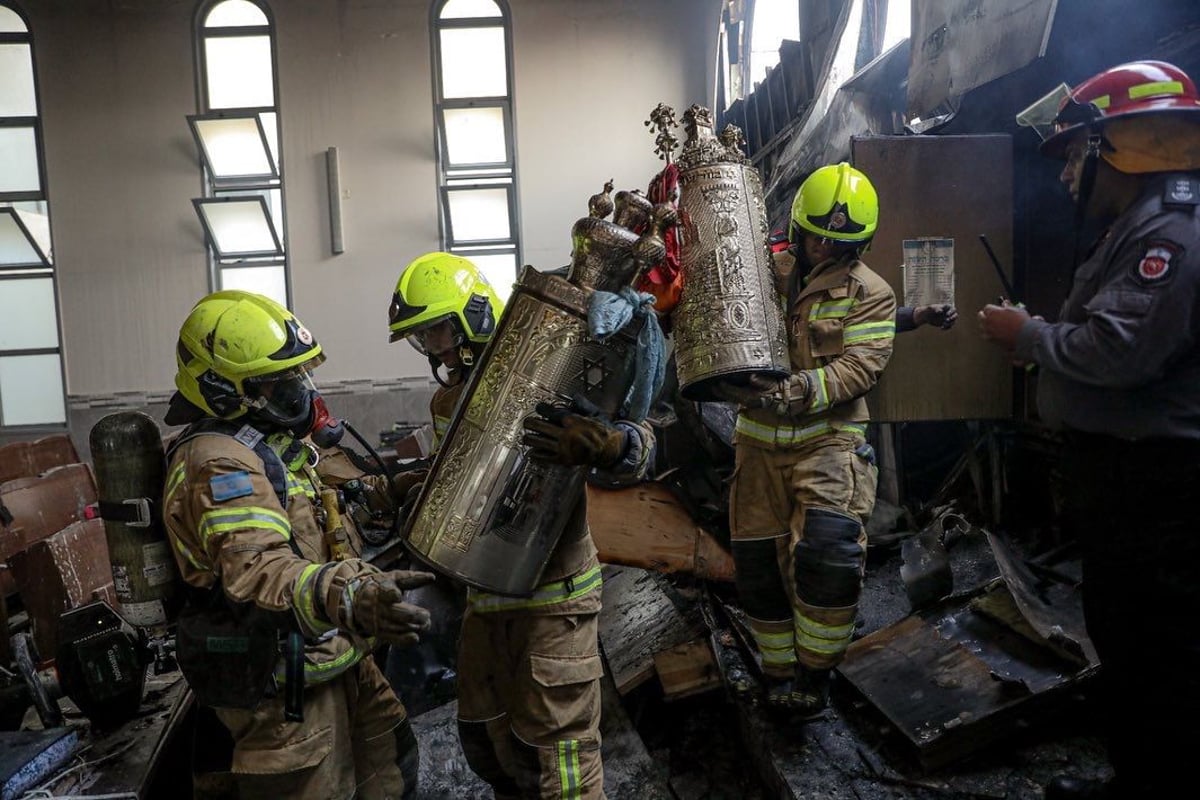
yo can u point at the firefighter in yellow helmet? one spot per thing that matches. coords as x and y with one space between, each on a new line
280 618
1118 373
529 669
805 479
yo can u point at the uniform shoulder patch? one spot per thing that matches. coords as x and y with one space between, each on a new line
231 485
1159 262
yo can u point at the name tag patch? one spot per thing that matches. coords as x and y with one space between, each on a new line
227 487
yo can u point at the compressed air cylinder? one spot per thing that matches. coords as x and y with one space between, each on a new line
127 454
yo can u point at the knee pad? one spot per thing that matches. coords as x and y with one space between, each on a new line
829 559
481 756
408 758
759 582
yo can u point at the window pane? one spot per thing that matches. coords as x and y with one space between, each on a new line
16 81
18 160
774 21
234 147
475 136
235 13
16 250
239 227
459 9
499 269
477 214
31 390
473 63
27 318
239 71
10 21
269 281
899 20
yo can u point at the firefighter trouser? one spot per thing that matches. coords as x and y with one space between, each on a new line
529 703
797 517
1132 507
355 741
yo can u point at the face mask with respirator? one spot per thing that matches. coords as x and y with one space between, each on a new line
294 404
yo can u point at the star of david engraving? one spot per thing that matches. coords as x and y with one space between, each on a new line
593 374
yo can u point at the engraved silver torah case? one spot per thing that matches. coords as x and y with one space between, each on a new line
488 515
729 324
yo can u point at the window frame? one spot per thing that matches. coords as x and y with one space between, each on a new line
465 177
213 188
48 269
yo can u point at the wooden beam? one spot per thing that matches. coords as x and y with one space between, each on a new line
687 669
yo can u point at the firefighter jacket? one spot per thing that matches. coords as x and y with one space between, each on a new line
227 526
1123 358
572 574
841 320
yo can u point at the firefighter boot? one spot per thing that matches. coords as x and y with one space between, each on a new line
1066 787
810 691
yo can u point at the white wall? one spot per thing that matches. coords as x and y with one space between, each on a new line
117 79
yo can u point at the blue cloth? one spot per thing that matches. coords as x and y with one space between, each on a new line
227 487
609 313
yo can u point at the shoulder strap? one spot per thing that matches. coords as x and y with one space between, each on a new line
246 435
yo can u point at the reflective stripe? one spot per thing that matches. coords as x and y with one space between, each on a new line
1155 87
186 553
817 637
220 520
545 595
793 434
1102 102
776 649
820 400
304 601
440 426
174 479
327 670
568 768
297 486
832 309
866 331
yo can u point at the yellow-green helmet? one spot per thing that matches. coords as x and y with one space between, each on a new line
438 286
836 202
233 339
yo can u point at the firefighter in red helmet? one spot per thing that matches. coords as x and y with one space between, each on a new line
1119 373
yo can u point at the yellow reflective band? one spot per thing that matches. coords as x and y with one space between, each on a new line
173 480
1155 87
832 309
867 331
568 768
820 400
792 434
328 670
775 648
1102 102
297 486
303 598
817 637
545 595
220 520
186 553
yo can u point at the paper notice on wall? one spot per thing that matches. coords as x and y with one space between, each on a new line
928 271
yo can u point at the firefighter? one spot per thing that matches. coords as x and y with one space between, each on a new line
244 518
804 481
529 668
1119 372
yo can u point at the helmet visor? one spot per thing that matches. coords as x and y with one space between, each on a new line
437 336
285 398
1042 114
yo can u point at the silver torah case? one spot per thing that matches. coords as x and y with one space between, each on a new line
488 515
729 324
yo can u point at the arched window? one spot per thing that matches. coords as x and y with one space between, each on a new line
237 133
477 163
31 374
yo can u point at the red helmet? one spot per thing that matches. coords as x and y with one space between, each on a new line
1126 91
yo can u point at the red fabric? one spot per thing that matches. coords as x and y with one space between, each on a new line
664 279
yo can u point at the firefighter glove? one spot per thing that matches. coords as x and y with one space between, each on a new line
403 483
575 435
376 606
